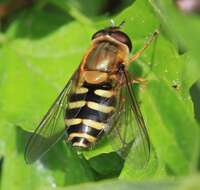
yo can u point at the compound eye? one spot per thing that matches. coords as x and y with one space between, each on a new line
116 34
98 33
122 37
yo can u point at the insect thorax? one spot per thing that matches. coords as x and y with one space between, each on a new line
105 55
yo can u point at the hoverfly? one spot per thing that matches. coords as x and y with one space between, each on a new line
97 100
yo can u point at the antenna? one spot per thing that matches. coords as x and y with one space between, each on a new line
112 22
122 23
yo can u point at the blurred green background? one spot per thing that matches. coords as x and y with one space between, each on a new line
42 43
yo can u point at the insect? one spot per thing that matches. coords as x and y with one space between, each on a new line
97 101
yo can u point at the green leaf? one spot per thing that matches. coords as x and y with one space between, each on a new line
187 183
179 26
39 52
125 185
110 169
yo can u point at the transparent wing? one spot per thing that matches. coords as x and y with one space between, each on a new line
129 131
50 129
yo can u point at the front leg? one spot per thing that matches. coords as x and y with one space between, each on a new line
146 45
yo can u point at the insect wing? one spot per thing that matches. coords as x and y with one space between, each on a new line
141 145
50 129
129 131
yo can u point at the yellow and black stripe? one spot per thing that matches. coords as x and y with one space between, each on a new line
89 109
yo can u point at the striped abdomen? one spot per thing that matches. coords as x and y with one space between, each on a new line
89 109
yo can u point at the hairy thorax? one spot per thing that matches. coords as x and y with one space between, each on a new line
102 60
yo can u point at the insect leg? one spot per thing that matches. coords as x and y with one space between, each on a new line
137 80
146 45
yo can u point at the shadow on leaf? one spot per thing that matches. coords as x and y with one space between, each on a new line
39 23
